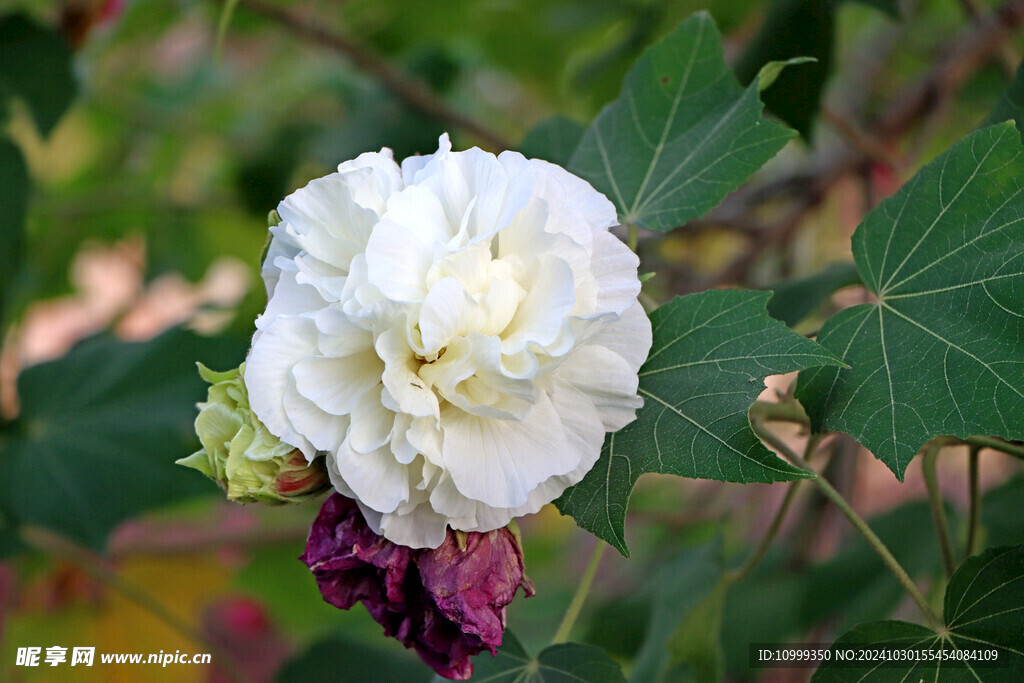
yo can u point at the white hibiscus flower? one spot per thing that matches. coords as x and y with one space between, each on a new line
457 335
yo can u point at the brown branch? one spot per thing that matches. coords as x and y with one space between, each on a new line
403 86
970 50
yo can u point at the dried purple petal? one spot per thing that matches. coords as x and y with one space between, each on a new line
448 603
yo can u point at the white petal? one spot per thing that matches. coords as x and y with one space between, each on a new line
499 462
376 478
373 177
629 336
541 314
400 251
606 381
614 267
268 375
448 311
421 528
371 423
336 384
400 378
324 431
289 298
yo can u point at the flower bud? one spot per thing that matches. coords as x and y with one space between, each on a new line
241 455
446 602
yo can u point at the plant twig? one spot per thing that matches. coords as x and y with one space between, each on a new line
406 88
995 444
579 597
935 502
53 545
974 493
862 527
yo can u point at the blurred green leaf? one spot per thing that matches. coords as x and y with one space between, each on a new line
984 609
563 663
707 365
792 28
554 139
682 134
796 299
677 592
942 350
335 658
14 188
1000 513
36 65
99 431
1011 103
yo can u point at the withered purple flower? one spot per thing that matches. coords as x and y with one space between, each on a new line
448 603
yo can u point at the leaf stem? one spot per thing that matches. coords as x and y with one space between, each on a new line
576 605
57 546
862 527
931 480
996 444
974 510
634 238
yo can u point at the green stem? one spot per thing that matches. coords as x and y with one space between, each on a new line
861 526
974 512
931 480
56 546
573 611
634 238
996 444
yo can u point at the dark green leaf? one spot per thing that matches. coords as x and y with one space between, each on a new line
338 659
1011 103
677 589
100 429
1001 520
564 663
707 365
36 65
793 28
14 188
682 134
796 299
554 139
984 610
942 350
890 7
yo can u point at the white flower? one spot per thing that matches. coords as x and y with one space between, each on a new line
457 335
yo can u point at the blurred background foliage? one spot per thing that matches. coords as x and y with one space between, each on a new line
137 168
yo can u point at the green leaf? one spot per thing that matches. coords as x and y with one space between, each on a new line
984 609
677 590
681 135
563 663
336 658
890 7
36 65
1010 106
553 139
942 350
796 299
793 28
100 429
14 187
707 365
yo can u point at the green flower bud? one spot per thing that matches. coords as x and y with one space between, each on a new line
241 455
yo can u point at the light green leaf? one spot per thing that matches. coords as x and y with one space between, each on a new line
710 356
36 65
14 187
796 299
553 139
681 135
942 350
984 610
564 663
99 431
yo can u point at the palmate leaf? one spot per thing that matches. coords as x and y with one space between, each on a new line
563 663
984 610
99 431
942 349
707 365
681 135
